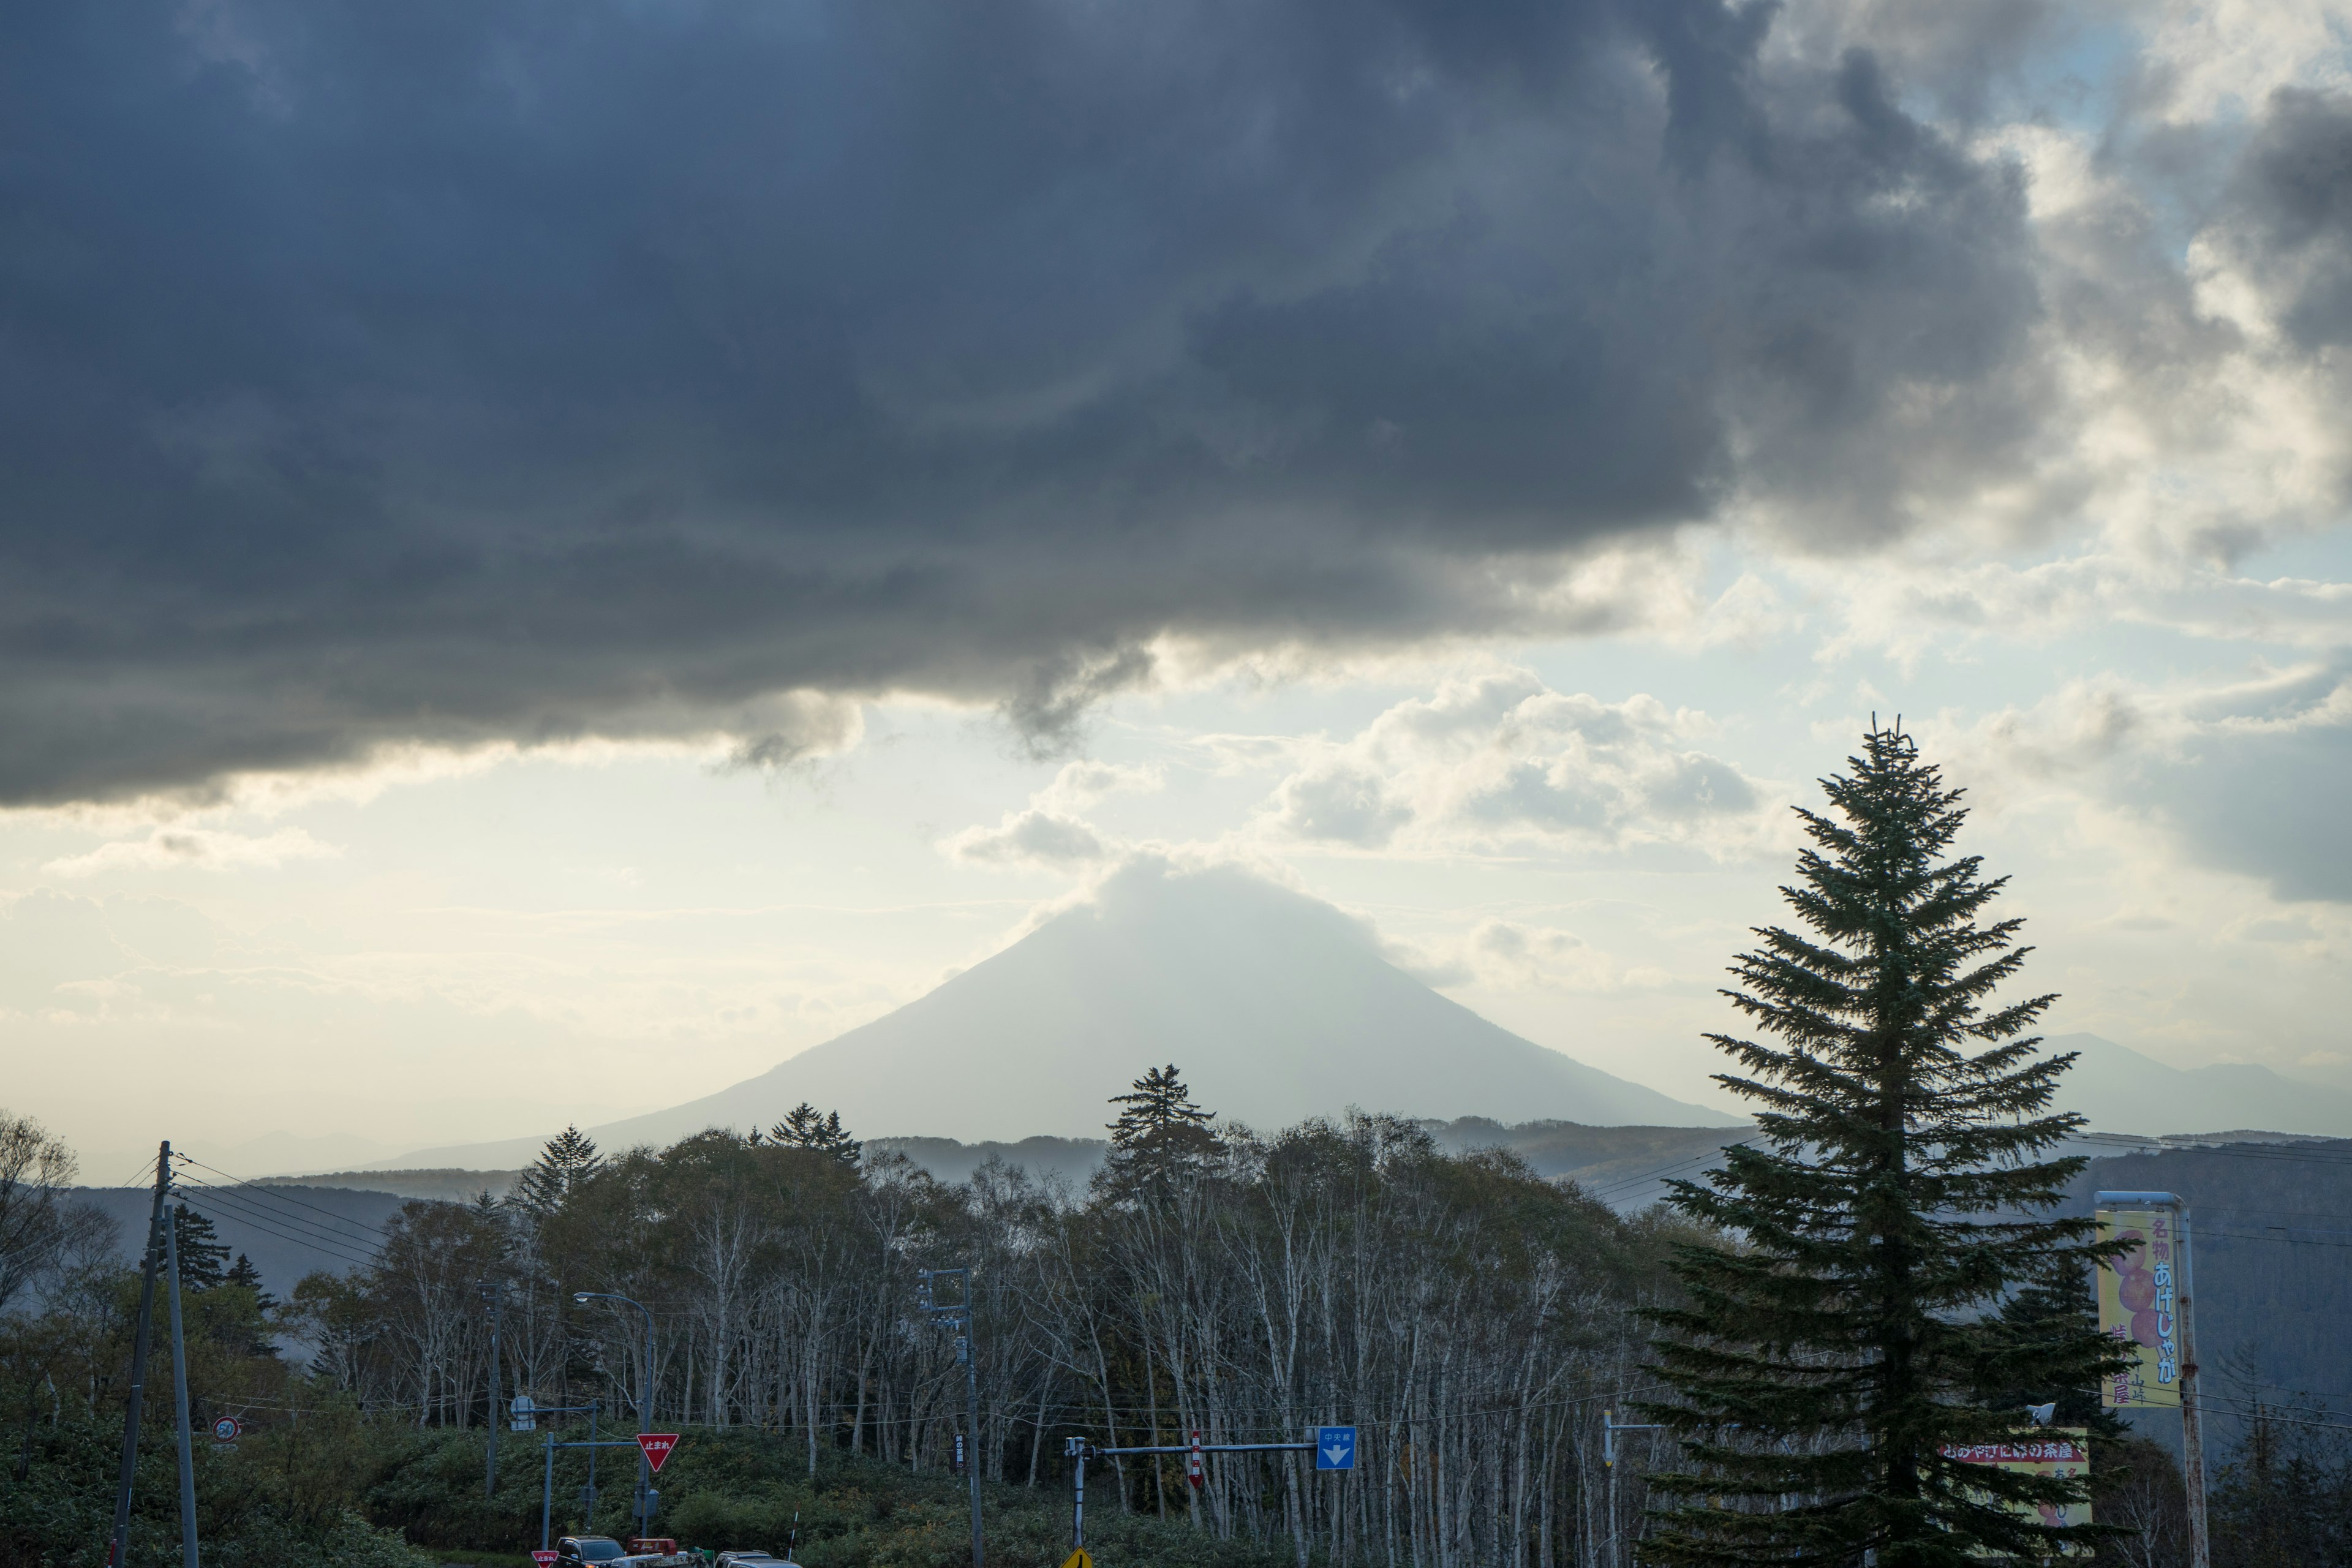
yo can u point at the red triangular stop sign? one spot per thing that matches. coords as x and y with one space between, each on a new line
656 1445
544 1558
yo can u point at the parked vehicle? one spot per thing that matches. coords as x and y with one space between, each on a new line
750 1560
572 1551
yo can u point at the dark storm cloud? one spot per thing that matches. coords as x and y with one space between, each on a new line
2293 195
456 371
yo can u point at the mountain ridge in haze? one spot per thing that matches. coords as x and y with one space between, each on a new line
1276 1005
2125 1091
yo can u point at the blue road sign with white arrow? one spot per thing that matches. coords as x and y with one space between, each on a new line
1335 1447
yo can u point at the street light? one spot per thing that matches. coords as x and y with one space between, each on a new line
645 1404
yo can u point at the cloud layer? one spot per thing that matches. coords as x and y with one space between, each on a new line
468 374
1500 760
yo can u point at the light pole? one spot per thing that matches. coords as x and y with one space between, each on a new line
645 1404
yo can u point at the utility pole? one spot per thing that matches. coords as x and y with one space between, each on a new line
955 1312
180 1397
2192 1429
496 1298
138 1357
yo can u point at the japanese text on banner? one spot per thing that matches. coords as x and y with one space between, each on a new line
2138 1302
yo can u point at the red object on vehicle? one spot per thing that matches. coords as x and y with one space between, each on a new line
653 1546
656 1445
1195 1471
544 1558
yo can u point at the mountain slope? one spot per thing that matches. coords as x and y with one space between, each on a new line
1276 1005
2123 1091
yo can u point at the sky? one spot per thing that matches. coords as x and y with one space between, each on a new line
553 555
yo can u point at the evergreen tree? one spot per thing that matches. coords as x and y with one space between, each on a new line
567 1162
802 1128
1159 1131
203 1261
1893 1198
243 1273
2054 1308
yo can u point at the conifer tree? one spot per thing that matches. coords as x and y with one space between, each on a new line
802 1128
245 1274
203 1261
1893 1196
1159 1131
567 1162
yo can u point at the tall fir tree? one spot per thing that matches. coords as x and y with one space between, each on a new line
1159 1132
203 1260
1895 1197
244 1273
568 1160
803 1128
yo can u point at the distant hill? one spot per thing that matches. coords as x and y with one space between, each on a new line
288 1231
2121 1090
2270 1227
446 1185
1276 1005
1072 1159
1620 1164
1626 1167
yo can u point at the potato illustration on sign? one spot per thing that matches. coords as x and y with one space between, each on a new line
2138 1302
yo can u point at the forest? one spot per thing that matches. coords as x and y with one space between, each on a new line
1472 1321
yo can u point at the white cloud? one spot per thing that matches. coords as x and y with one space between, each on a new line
1500 758
1031 837
1509 955
1084 784
205 849
1049 832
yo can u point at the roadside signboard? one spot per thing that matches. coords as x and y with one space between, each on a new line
1078 1559
227 1429
1335 1447
2137 1304
543 1558
525 1418
657 1446
2053 1451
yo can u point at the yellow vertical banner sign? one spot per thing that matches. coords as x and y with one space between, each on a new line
2138 1297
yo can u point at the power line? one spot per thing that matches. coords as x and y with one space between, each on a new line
264 1223
244 1197
248 1183
1686 1162
261 1221
2205 1233
2269 1152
